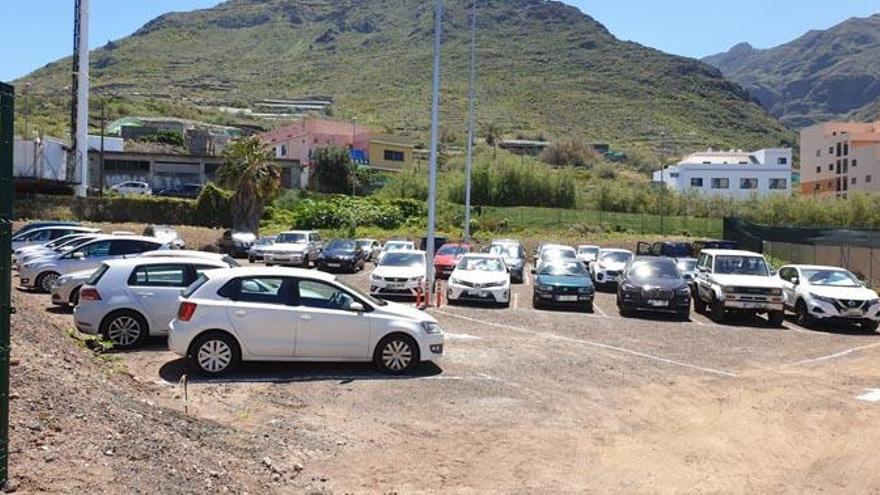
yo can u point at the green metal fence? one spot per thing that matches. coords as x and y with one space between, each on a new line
535 217
7 102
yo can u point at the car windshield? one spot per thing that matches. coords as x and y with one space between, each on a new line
588 250
564 269
558 253
292 238
391 246
833 278
504 250
402 259
687 266
73 244
364 244
451 250
642 270
741 265
265 241
616 257
341 245
482 265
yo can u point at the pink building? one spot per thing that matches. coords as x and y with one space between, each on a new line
298 141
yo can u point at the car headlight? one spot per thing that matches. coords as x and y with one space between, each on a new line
585 290
729 290
453 281
417 279
373 276
822 298
545 288
494 284
684 291
431 328
873 302
775 292
630 288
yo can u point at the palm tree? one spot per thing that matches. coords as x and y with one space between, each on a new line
249 170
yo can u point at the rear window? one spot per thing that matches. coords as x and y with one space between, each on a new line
96 277
193 287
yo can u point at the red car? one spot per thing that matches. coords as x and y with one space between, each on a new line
447 257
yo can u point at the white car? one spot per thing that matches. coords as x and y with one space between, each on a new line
60 245
396 246
133 188
128 300
166 235
688 268
294 248
257 252
372 248
65 290
827 293
399 273
290 314
43 235
42 273
733 280
480 277
588 253
609 265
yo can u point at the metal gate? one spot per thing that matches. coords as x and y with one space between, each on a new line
7 109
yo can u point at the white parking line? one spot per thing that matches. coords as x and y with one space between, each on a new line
515 301
461 336
526 277
598 345
831 356
599 309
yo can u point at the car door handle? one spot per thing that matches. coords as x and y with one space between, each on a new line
146 294
305 317
241 312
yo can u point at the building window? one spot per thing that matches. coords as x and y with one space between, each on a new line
781 184
748 183
838 166
818 153
831 150
845 165
818 169
854 163
839 149
782 160
696 182
867 179
393 156
721 183
853 181
673 175
845 149
831 167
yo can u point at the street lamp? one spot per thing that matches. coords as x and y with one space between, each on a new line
353 163
27 110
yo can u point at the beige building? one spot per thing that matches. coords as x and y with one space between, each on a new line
391 153
840 157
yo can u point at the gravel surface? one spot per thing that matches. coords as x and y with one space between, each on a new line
525 401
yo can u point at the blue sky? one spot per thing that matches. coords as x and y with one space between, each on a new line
36 32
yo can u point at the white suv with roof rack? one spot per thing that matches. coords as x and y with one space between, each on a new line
737 281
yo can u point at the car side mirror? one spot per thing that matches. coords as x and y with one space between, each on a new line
702 269
795 281
356 307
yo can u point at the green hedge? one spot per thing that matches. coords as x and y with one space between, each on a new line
343 211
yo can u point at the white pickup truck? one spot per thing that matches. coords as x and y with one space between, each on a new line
737 281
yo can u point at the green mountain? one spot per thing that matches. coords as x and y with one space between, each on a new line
544 68
823 75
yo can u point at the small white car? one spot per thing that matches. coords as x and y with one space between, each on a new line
827 293
43 235
588 253
128 300
294 248
740 281
166 235
133 188
291 314
257 252
609 265
372 248
42 273
399 273
65 290
60 245
480 278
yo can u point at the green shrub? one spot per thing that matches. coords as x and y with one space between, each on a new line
345 212
213 208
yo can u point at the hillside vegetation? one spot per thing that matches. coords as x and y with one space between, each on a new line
544 67
823 75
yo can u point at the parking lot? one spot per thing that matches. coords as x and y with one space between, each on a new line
529 400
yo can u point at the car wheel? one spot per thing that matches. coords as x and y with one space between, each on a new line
536 303
74 297
251 259
870 326
125 329
46 280
589 307
214 353
776 318
699 303
396 354
306 262
718 313
685 314
802 316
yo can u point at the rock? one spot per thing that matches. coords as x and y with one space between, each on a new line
297 466
14 396
109 452
35 426
10 486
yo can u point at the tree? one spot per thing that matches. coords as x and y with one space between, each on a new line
334 169
493 137
250 171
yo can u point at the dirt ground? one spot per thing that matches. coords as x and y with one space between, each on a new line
525 401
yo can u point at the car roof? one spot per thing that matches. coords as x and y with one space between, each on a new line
138 261
407 251
685 258
817 267
588 246
72 228
731 252
483 256
556 246
274 271
456 244
298 232
365 239
181 253
615 250
653 258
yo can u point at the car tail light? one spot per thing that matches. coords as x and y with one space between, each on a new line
186 310
89 294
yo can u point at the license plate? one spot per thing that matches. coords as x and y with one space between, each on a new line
477 293
658 303
395 286
567 298
852 312
333 265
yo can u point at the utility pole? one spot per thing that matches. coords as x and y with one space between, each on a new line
435 126
27 111
81 143
353 163
470 138
7 121
101 163
662 178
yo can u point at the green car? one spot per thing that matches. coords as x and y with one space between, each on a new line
563 282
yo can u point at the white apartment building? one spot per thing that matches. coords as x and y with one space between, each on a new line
736 173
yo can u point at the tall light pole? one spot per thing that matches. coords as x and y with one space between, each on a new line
469 163
27 110
435 125
81 148
353 163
